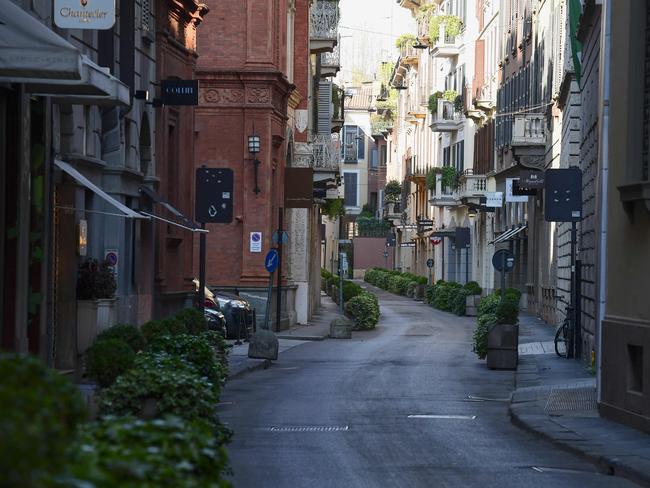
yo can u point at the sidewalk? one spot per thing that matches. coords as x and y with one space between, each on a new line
318 329
555 398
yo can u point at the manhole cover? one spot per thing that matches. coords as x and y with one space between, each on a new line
310 428
571 400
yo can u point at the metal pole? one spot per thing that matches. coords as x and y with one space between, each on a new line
269 299
278 308
341 283
577 336
503 276
574 233
467 265
202 269
443 258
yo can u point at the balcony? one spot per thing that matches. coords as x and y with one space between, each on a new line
330 62
529 130
326 153
447 118
445 46
415 172
392 211
444 196
408 55
471 186
423 29
324 22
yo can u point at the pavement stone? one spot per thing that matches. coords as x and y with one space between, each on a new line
542 379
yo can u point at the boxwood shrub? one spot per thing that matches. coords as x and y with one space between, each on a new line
157 328
126 333
130 452
39 413
193 320
107 359
484 323
364 310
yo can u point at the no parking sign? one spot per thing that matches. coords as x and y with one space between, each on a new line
111 256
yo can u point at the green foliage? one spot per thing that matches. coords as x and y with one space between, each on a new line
39 413
429 294
196 350
453 26
193 320
130 452
449 179
96 280
350 290
433 102
481 334
158 328
473 287
507 312
393 191
170 388
431 178
426 10
364 310
511 294
125 333
398 284
405 40
372 227
458 300
488 305
411 289
444 294
107 359
333 208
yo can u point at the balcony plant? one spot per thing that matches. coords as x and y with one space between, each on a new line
405 40
449 178
448 95
426 11
431 178
333 208
453 26
96 288
393 192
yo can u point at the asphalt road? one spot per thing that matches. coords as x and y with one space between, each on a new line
336 414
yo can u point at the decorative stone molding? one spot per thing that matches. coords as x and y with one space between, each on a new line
258 95
303 154
222 96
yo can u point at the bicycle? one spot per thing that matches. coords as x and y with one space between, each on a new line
563 334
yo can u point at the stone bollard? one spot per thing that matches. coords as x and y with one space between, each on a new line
341 328
263 345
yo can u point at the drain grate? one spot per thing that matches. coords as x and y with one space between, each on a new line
310 428
571 400
443 417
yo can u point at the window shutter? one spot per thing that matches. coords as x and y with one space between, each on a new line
350 181
361 143
325 107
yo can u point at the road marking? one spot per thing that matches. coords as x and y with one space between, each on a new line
310 428
444 417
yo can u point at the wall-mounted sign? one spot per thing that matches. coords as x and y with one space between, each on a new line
510 196
407 244
531 179
214 195
436 240
179 92
503 260
563 195
494 199
111 256
298 188
84 14
429 263
256 242
425 223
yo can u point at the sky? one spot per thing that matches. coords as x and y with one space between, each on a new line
368 31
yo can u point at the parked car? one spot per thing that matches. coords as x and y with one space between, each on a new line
216 320
239 314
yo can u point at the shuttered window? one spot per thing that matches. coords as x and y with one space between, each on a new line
361 143
350 182
349 148
325 109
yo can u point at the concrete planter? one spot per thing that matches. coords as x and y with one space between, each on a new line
471 305
341 328
503 347
93 317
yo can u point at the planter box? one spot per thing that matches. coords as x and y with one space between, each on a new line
341 328
419 293
93 317
471 305
503 347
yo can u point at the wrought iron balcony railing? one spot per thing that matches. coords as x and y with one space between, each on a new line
331 61
327 152
325 20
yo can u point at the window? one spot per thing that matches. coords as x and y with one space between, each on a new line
351 191
349 146
383 155
374 158
446 156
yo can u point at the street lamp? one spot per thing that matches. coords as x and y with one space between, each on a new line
254 148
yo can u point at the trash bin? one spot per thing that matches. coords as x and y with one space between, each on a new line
503 346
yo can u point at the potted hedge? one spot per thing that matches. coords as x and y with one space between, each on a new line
95 301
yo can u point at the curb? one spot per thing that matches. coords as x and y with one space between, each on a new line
263 364
607 465
303 337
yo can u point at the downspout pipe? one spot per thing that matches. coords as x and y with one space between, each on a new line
603 184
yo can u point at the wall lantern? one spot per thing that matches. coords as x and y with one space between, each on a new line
254 148
82 238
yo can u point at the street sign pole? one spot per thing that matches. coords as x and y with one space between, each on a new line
269 298
574 237
202 269
278 306
503 277
342 257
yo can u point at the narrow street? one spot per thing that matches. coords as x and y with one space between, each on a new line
336 414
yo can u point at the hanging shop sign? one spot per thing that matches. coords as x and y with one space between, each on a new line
179 92
214 195
494 199
298 188
436 240
84 14
511 197
531 180
563 195
407 244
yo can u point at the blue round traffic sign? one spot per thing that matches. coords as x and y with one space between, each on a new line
271 261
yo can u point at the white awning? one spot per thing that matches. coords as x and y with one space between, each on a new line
48 65
28 49
509 234
82 180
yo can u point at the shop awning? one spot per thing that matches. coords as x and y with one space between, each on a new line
509 234
48 65
82 180
28 49
181 220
